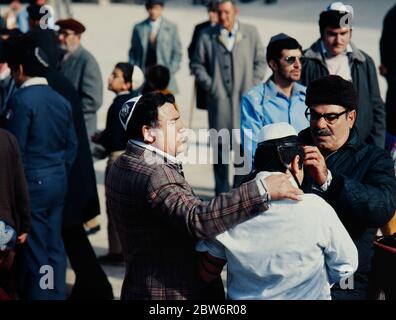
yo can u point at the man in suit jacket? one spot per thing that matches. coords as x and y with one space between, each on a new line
213 19
82 69
156 41
42 122
228 61
158 216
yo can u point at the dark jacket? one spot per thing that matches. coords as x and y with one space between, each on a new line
48 41
114 137
388 40
388 59
7 90
194 41
200 92
42 122
14 195
362 191
82 201
371 111
158 219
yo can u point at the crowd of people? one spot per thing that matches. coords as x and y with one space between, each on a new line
300 225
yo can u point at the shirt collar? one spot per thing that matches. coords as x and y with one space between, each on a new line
157 151
273 91
155 23
34 82
234 30
325 52
122 93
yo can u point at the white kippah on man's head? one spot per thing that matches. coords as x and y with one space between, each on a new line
340 7
276 131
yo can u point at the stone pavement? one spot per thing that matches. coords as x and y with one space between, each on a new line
108 38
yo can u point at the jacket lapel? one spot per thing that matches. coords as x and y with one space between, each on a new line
238 37
144 37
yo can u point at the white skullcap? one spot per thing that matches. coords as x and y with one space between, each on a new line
339 6
137 77
276 131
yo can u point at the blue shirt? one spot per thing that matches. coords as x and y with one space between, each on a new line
293 251
265 104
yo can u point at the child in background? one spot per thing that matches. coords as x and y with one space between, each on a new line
124 78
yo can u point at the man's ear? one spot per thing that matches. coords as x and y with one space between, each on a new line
351 118
148 135
128 86
294 164
20 70
273 65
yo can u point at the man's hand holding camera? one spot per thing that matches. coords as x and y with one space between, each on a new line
315 163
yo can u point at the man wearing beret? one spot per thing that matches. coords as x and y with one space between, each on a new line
156 41
357 179
82 69
334 53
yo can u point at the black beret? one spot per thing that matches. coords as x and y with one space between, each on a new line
332 89
71 24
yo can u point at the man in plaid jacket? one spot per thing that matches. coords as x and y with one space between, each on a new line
158 216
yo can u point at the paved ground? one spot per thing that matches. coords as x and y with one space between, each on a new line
108 36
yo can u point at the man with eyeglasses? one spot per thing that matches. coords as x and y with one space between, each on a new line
355 178
279 99
335 53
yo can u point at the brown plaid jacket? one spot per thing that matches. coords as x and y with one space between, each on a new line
159 219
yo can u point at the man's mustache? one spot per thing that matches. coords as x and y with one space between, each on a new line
321 132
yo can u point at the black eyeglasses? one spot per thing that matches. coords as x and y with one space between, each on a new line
330 118
290 60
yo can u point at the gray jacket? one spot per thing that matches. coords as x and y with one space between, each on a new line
84 73
169 50
225 75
